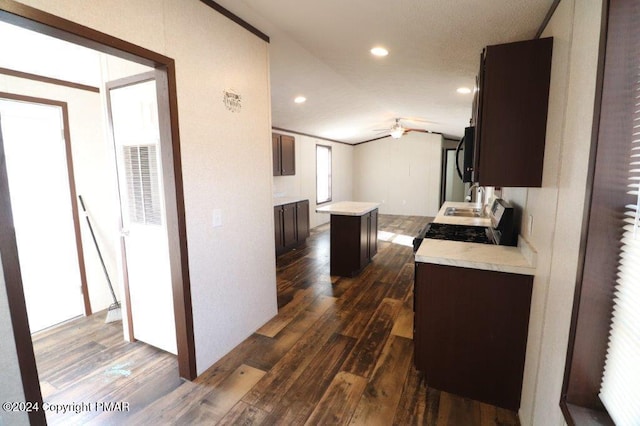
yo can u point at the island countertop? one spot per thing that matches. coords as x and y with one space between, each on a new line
348 208
490 257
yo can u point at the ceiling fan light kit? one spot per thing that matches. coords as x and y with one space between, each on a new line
397 132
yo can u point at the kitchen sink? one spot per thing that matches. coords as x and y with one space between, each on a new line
465 212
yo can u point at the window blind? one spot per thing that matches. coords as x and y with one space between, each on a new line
620 388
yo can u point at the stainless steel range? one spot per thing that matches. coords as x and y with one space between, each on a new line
502 230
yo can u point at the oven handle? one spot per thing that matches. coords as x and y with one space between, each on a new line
458 157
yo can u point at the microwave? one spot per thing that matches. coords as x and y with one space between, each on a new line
466 146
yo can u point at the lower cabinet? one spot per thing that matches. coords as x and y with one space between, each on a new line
291 225
470 331
302 220
354 242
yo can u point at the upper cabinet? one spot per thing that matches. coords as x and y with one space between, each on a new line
284 155
510 113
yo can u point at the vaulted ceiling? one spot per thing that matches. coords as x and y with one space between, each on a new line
320 50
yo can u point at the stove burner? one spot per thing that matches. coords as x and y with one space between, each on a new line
465 233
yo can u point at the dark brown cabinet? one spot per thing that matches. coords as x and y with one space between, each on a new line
354 242
279 224
302 220
284 155
369 245
291 225
470 331
511 115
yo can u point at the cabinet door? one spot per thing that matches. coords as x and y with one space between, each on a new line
277 154
373 233
302 220
289 224
364 239
288 156
470 331
513 116
278 219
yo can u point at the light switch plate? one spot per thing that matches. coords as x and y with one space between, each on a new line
217 218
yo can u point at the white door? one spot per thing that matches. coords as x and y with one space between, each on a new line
134 117
40 194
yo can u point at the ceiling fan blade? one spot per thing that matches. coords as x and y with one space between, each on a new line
419 120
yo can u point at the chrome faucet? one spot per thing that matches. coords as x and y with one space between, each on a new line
470 192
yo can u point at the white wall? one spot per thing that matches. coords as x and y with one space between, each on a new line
557 207
11 389
113 68
94 175
226 156
303 184
403 174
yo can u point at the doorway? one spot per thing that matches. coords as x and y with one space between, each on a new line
42 22
40 177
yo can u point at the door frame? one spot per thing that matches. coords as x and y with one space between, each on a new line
72 185
46 23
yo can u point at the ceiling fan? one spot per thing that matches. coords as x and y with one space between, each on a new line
397 129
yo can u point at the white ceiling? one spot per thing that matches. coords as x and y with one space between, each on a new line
320 49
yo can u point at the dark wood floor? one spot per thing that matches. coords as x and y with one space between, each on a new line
88 361
340 351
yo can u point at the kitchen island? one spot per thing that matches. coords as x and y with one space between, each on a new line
353 236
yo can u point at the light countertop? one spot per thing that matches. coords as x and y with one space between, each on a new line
281 201
348 208
490 257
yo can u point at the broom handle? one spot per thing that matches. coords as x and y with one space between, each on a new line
104 268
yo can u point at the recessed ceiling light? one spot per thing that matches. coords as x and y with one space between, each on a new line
379 51
463 90
300 99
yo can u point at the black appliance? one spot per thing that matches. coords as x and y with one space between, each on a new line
501 232
466 145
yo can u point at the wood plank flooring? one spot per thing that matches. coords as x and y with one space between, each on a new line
88 361
338 352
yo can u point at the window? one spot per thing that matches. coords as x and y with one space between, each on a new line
323 174
610 253
620 390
